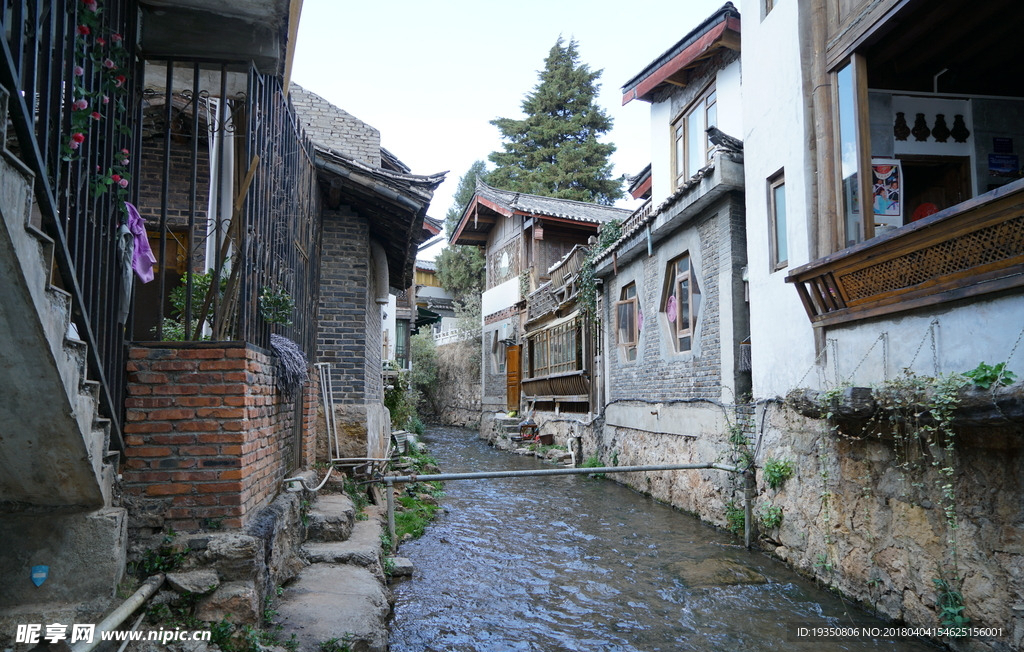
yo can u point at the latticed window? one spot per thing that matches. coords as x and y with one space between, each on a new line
627 326
681 302
556 350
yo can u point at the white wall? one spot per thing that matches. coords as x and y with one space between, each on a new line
774 121
500 297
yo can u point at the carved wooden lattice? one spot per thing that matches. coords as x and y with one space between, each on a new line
503 264
993 244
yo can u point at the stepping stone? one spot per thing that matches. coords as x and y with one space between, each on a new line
329 601
331 518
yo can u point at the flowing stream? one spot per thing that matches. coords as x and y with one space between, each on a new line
572 563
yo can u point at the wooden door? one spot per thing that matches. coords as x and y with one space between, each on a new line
512 377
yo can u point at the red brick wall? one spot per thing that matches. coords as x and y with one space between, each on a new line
208 435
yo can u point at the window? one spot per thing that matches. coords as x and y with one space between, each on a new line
692 149
768 6
627 321
850 98
681 302
556 350
498 348
778 243
402 343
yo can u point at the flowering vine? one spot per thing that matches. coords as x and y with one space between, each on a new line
102 59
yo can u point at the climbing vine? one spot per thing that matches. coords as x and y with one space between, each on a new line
606 237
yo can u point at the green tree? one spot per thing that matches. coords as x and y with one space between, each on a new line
460 268
555 151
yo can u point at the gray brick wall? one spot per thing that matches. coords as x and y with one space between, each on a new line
659 374
334 128
345 319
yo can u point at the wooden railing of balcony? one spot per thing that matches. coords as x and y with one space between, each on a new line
968 250
567 386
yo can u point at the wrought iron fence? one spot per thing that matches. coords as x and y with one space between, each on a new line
236 212
71 75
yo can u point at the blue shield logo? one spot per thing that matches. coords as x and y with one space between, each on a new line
39 574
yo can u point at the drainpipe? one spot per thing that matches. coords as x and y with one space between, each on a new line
380 266
119 615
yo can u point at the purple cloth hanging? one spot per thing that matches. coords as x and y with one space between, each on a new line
143 258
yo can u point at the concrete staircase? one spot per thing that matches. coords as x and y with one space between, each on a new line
53 446
342 595
56 471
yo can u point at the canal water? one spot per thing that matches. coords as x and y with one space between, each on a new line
572 563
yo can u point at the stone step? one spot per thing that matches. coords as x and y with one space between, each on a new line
331 518
331 602
361 548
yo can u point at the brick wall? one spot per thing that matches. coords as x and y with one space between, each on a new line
345 297
331 127
659 374
208 436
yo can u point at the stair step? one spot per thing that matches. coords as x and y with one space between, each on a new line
332 518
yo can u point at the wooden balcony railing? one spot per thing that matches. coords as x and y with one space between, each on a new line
965 251
568 386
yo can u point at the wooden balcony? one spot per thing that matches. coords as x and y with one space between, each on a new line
966 251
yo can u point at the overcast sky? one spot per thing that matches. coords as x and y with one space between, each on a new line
431 75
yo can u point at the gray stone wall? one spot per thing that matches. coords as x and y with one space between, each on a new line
334 128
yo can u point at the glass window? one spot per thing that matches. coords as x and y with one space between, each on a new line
691 148
681 302
627 325
778 243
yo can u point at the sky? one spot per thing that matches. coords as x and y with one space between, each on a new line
431 75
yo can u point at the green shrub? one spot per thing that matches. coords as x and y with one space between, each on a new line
769 516
777 471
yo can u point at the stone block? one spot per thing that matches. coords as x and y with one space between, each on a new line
331 519
197 581
236 602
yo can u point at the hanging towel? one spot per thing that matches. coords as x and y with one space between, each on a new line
125 251
143 258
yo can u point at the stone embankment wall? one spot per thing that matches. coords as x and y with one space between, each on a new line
458 384
208 435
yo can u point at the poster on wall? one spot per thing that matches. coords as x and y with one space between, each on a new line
887 192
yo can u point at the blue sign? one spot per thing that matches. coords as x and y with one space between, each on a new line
39 574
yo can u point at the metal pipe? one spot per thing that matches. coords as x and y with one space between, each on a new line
391 479
391 515
121 614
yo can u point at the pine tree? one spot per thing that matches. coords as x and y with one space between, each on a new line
555 151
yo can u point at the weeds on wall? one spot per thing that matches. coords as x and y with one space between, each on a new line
606 237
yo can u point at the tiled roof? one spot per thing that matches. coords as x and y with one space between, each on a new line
568 209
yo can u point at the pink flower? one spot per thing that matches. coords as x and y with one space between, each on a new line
123 183
125 152
106 100
73 144
109 64
97 168
115 38
79 71
80 104
120 80
124 162
91 5
83 30
95 115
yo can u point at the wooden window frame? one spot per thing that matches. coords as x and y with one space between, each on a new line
679 135
497 353
862 139
628 300
776 262
674 284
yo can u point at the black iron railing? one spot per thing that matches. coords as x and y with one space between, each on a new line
71 73
233 204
